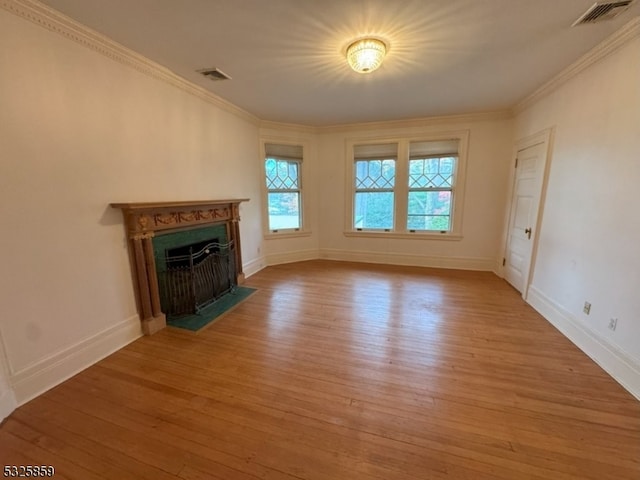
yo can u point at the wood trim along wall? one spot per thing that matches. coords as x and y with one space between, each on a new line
143 220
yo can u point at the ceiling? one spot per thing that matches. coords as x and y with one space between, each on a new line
286 57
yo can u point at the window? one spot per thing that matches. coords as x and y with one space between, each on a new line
282 168
375 176
431 180
408 187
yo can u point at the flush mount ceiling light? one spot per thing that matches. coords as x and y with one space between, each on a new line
365 55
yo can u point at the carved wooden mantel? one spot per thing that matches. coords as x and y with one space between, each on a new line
143 220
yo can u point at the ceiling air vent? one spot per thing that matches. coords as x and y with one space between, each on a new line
214 74
603 11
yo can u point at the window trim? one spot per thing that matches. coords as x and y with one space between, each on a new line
298 190
402 186
304 230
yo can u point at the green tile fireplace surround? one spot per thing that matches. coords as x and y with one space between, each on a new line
194 268
144 221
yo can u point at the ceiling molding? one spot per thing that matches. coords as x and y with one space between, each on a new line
59 23
387 124
292 127
54 21
418 122
600 51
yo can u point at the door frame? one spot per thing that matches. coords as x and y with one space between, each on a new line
545 137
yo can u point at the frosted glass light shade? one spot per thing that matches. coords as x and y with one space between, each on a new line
366 55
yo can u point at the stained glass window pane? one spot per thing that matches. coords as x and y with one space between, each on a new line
431 172
282 174
375 174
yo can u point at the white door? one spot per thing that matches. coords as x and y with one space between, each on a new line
525 203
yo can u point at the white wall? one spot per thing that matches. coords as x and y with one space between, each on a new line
78 131
488 164
589 246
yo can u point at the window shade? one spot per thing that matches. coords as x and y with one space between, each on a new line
435 148
285 152
381 151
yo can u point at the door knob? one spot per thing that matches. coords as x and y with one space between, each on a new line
528 232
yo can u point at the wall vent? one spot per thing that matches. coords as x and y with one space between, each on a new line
214 74
600 11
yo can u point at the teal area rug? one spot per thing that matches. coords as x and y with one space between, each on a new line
211 312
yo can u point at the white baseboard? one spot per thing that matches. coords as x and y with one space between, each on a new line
290 257
458 263
624 369
498 268
36 379
254 266
7 403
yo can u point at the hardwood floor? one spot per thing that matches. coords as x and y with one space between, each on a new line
342 371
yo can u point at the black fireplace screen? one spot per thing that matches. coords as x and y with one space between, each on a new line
195 279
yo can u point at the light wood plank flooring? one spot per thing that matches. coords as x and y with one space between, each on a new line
342 371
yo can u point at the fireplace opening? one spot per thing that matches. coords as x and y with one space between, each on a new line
191 281
194 269
180 256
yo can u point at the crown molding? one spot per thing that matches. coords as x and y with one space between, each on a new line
628 32
418 122
55 21
387 124
291 127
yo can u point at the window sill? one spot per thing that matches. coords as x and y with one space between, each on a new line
404 235
287 234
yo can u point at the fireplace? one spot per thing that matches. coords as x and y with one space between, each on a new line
184 255
194 268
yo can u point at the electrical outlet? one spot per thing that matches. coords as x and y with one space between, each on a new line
613 323
587 308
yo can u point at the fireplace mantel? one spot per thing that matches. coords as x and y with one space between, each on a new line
142 220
